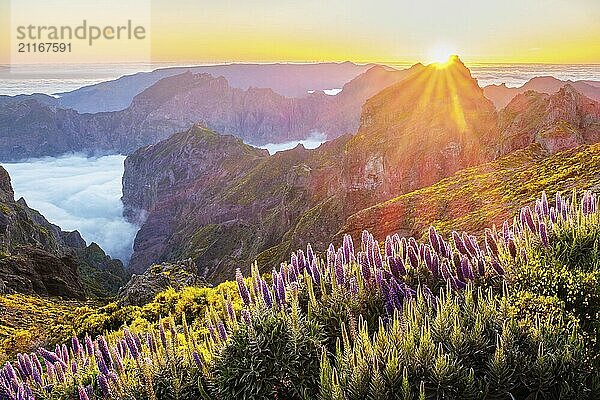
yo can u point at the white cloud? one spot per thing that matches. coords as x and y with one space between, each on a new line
312 142
78 193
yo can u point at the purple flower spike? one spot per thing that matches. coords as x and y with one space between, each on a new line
104 386
490 242
197 359
330 255
467 271
544 204
340 275
512 248
103 346
413 258
397 267
498 268
544 235
268 300
527 219
89 346
131 344
365 269
389 247
230 310
242 288
433 239
222 331
348 247
459 244
51 357
82 393
246 317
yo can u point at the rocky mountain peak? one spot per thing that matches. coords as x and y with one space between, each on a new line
6 190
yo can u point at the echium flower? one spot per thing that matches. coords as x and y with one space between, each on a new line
544 204
365 237
131 344
490 242
76 346
330 256
316 272
162 334
538 210
470 244
119 362
377 260
467 271
51 357
389 247
150 342
60 372
310 254
497 267
246 317
544 235
212 332
294 261
404 247
242 288
25 365
65 354
102 367
197 360
512 248
553 215
82 393
527 218
348 245
459 244
506 233
267 299
280 287
231 311
37 376
413 258
558 202
104 386
222 331
276 293
340 275
301 261
89 346
433 239
103 346
365 269
397 267
481 266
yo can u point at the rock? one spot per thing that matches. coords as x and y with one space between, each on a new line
141 289
32 270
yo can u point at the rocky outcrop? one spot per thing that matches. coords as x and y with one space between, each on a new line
141 289
38 257
32 126
221 202
418 131
31 270
557 122
501 95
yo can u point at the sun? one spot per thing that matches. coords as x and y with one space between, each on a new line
440 55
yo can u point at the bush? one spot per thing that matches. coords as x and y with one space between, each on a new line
275 357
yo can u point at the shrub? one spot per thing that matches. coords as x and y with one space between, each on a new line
276 356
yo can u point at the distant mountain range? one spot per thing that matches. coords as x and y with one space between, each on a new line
224 204
34 126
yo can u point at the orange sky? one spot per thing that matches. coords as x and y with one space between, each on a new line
548 31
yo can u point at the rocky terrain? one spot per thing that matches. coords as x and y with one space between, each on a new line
224 204
37 257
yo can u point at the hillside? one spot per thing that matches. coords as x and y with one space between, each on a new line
481 196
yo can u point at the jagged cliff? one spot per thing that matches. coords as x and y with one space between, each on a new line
37 257
224 204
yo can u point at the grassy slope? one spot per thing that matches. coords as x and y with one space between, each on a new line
478 197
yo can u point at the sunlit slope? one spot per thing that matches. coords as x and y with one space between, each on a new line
478 197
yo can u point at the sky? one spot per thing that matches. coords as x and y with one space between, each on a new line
392 31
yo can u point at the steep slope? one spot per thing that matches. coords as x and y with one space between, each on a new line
420 130
501 95
221 202
481 196
37 257
557 122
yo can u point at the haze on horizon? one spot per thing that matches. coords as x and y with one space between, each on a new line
388 31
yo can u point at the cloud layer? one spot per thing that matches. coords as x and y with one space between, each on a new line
78 193
313 141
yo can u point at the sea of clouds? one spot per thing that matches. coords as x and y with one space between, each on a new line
312 142
78 193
